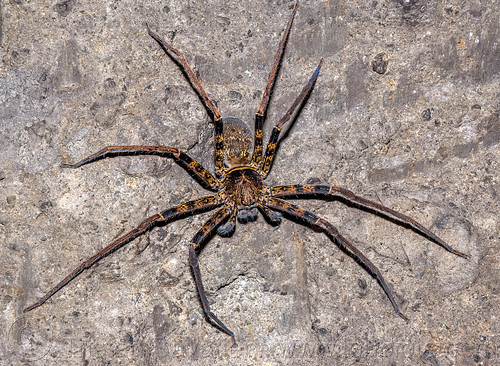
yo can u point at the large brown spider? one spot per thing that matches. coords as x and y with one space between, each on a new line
239 188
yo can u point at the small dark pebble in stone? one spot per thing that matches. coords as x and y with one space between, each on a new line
313 180
63 8
234 95
427 114
380 63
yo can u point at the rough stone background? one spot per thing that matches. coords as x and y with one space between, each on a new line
422 138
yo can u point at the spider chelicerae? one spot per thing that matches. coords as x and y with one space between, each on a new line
238 185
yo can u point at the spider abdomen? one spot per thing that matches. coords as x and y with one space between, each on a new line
238 142
243 186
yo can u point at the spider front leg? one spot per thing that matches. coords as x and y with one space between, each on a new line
315 220
187 69
219 141
273 140
201 204
180 157
298 191
260 115
216 220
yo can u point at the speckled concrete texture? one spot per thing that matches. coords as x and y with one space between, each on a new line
405 112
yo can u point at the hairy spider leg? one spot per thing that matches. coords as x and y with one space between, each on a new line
273 140
216 220
274 217
315 220
227 229
218 134
191 207
260 115
185 160
298 191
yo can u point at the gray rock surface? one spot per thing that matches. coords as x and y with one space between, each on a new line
405 112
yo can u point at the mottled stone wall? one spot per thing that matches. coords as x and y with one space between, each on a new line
405 112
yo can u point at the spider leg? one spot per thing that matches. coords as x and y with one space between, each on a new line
201 204
315 220
261 112
228 228
332 191
219 146
273 141
187 69
217 219
180 157
272 216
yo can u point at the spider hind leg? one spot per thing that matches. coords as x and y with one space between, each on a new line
215 221
332 232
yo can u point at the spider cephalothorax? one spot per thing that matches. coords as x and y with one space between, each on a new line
238 185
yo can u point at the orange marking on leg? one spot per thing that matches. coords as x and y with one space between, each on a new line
309 189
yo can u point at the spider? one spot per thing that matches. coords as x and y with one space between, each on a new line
238 185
